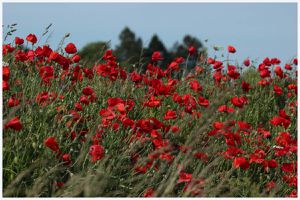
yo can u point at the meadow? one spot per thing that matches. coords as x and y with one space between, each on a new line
221 129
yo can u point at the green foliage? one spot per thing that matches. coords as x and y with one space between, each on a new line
130 47
91 52
130 50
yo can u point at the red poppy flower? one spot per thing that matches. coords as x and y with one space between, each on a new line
67 159
246 62
232 152
232 73
184 177
192 50
244 125
7 49
278 90
276 121
225 108
107 114
18 41
128 122
195 85
281 120
156 56
76 58
30 55
5 73
115 126
295 61
245 86
263 82
108 55
288 167
112 102
97 152
155 134
270 185
218 65
293 194
218 76
201 155
170 114
13 102
141 169
199 69
59 184
174 129
258 156
84 100
272 163
43 52
53 56
14 123
173 66
149 192
78 106
265 73
42 98
46 73
160 143
203 102
167 157
31 38
278 71
265 133
218 125
284 139
51 143
71 48
210 61
231 49
135 77
241 162
5 85
275 61
88 73
88 91
288 67
267 61
153 102
239 101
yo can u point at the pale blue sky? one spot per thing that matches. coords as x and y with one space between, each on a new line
256 30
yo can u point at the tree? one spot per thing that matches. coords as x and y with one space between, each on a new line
130 47
187 41
192 41
156 44
92 52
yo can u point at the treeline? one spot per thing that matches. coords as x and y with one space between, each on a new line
131 51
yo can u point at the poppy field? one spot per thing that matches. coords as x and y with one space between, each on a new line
220 129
